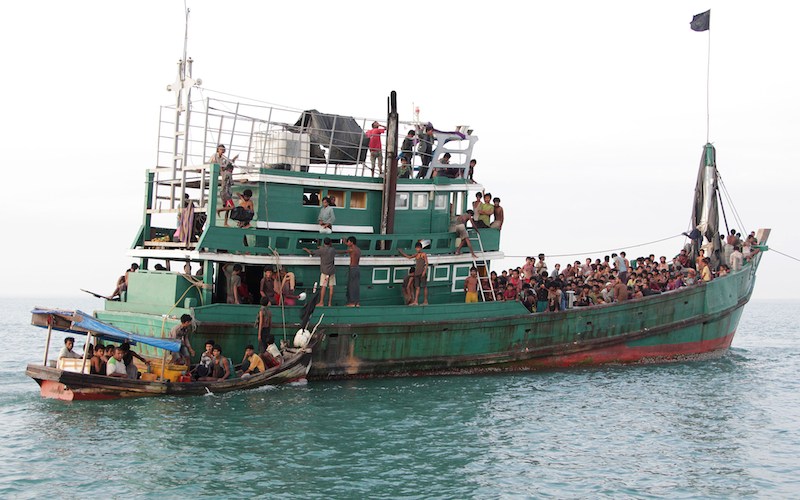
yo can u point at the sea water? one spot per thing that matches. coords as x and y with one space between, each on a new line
728 427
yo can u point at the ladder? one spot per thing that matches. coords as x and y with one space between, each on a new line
486 292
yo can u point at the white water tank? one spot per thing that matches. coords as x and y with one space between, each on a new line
286 150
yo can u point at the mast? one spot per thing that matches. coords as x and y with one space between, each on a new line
705 212
390 179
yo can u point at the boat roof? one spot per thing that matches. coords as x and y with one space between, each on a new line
81 323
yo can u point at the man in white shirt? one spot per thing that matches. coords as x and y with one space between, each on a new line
66 351
736 259
115 367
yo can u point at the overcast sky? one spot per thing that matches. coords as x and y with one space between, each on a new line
591 115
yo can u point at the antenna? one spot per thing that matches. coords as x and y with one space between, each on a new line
183 105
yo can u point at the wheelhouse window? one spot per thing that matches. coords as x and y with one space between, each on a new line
401 201
336 197
420 201
311 197
440 202
358 199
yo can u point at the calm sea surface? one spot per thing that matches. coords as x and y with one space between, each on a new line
723 428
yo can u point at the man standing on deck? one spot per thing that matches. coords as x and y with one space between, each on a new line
327 270
737 258
181 333
485 211
461 231
354 273
375 146
407 149
471 286
425 150
497 223
226 177
267 286
420 273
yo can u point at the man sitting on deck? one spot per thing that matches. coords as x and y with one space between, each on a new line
66 351
326 218
251 362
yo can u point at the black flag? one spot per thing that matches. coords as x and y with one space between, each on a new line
701 22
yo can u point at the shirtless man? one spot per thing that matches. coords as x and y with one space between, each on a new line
498 215
245 212
354 273
122 282
420 273
461 231
471 286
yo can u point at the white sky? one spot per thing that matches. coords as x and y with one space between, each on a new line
591 115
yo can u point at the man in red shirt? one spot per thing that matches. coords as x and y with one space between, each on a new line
375 149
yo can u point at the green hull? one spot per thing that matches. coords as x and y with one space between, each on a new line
487 336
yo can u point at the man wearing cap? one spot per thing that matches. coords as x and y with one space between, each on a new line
66 351
226 176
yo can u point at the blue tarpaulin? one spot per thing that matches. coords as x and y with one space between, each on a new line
83 323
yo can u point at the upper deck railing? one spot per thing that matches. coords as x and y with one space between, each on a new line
269 136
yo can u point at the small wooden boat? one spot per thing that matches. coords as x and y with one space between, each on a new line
74 383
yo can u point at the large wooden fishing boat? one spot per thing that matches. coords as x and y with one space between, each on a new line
290 160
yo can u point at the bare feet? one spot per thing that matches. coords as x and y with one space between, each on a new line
413 304
424 303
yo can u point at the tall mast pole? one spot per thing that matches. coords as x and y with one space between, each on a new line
390 179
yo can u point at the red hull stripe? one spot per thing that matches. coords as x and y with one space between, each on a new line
639 354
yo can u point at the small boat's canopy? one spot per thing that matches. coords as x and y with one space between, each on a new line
81 323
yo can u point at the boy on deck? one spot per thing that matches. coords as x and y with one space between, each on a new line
420 273
245 212
471 286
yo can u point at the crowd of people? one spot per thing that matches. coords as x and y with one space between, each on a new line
614 278
118 361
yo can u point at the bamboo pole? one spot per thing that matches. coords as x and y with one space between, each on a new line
163 364
86 350
49 334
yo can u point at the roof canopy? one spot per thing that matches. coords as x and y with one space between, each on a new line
345 140
81 323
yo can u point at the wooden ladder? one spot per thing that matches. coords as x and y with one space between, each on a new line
486 292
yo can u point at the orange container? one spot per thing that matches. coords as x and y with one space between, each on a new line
185 378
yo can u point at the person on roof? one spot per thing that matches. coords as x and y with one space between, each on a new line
226 178
375 146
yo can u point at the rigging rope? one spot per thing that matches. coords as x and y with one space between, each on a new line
599 251
785 255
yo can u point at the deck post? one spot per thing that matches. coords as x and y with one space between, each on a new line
49 334
163 364
86 350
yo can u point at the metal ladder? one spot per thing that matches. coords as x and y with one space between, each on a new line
483 269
